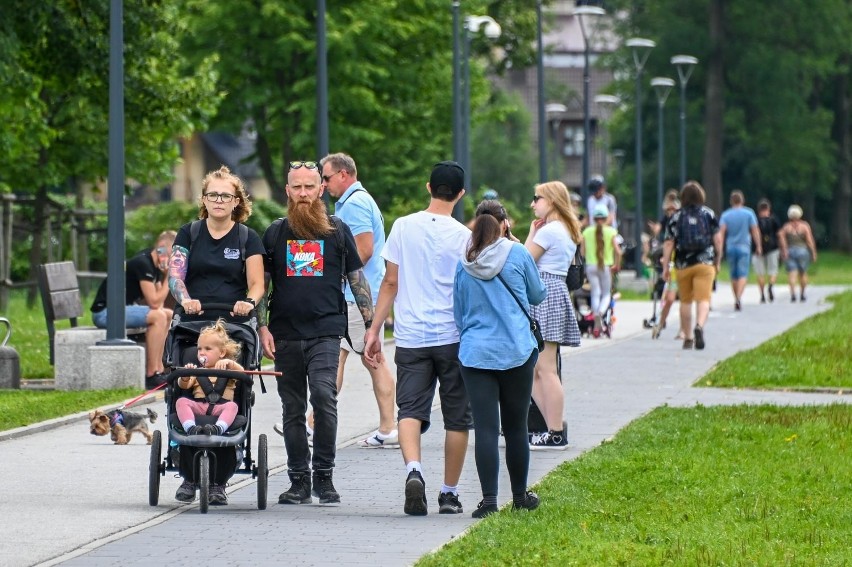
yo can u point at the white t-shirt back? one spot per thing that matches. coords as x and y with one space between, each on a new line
558 247
427 248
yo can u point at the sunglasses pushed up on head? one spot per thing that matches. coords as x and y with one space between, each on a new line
305 164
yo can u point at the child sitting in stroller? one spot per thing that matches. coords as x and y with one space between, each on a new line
215 350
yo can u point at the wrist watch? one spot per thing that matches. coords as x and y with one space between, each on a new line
368 323
250 300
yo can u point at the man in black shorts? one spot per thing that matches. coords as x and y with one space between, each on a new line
422 251
146 289
307 256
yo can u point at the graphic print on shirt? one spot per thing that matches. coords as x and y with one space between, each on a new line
305 258
232 254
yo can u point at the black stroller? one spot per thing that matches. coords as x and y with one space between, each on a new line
198 450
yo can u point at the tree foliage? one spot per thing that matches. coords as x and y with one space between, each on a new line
390 79
779 63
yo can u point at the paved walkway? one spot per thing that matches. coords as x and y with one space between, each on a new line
74 499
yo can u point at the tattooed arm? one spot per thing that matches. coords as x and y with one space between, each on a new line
177 274
361 290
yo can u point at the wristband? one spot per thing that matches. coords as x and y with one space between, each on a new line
368 323
250 300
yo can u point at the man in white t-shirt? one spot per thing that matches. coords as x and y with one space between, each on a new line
422 251
599 196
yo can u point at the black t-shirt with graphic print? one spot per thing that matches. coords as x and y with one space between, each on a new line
139 268
307 290
215 271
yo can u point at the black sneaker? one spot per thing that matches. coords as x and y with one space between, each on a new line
299 491
551 440
195 430
415 495
186 492
154 380
530 502
699 338
448 503
483 510
217 496
771 294
324 488
210 429
802 298
737 305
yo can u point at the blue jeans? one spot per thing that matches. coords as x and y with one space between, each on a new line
309 364
134 316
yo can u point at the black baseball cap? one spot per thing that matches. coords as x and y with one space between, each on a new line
447 179
596 182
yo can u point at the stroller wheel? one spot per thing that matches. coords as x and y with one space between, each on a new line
204 482
155 469
261 471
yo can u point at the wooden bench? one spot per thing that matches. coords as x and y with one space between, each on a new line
69 348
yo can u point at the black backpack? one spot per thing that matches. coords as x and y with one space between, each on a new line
693 230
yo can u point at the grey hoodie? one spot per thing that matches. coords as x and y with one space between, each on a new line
490 261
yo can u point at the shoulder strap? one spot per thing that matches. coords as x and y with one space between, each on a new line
243 239
518 301
341 243
194 229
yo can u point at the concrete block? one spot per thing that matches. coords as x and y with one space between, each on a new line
116 366
71 356
10 368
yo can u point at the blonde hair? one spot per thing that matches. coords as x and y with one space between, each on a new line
227 344
795 212
243 209
560 201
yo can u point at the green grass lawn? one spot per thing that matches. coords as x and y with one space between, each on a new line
25 407
814 354
700 486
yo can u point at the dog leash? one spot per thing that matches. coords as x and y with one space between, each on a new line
140 396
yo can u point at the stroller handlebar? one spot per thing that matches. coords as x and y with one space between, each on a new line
230 374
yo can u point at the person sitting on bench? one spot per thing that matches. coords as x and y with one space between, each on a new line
146 289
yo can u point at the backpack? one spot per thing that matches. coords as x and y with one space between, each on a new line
693 230
195 227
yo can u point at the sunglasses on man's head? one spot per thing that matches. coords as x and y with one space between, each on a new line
305 164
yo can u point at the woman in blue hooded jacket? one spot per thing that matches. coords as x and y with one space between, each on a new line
497 350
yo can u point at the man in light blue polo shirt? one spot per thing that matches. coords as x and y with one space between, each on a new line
357 209
738 227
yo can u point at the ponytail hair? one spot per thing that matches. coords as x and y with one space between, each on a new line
487 227
599 245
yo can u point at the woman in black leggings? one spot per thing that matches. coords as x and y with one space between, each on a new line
497 350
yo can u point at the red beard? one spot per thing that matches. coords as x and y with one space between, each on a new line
308 220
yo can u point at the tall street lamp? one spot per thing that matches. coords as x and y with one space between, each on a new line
472 25
554 111
685 65
583 12
606 105
662 86
640 48
322 90
542 116
461 91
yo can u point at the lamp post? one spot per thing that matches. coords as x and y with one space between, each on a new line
322 90
542 120
472 24
553 111
685 64
640 48
606 103
662 86
461 100
582 12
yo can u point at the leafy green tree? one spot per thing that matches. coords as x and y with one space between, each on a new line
390 79
54 72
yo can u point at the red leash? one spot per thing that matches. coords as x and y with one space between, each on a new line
140 396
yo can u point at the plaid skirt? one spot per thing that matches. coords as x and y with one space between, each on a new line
556 314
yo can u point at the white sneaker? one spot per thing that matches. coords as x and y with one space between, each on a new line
279 429
377 440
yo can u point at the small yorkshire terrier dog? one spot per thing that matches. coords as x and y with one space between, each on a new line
121 424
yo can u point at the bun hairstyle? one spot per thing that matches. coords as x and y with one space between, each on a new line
487 227
795 212
243 209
